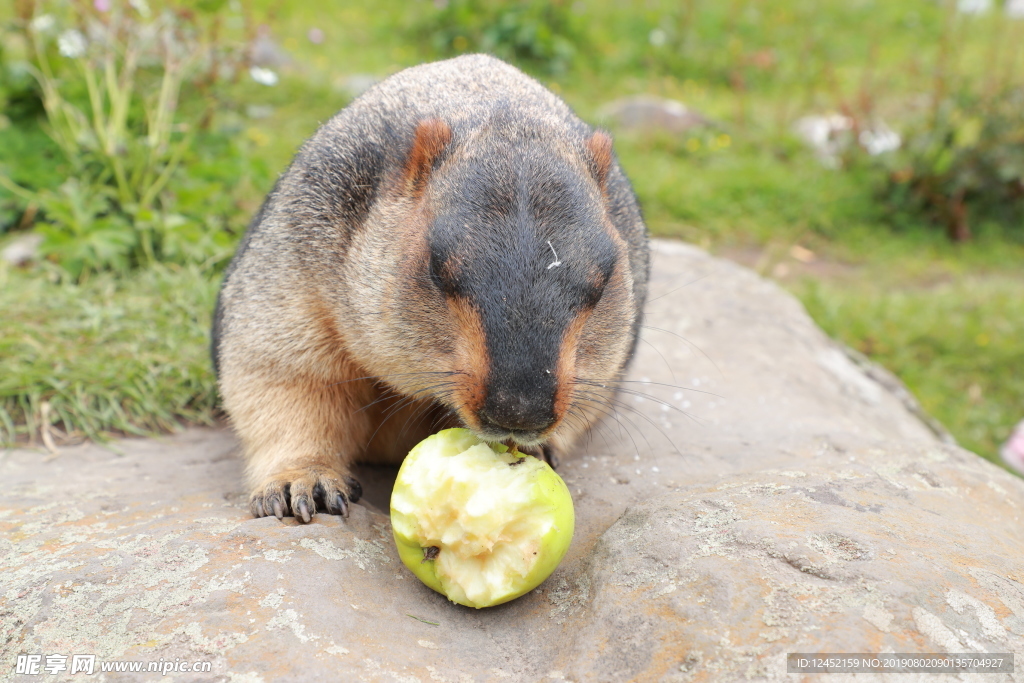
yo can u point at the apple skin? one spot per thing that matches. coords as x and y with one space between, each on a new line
549 494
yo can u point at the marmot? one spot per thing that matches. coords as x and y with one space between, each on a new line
454 248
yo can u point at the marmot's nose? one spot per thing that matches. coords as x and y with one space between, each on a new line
516 412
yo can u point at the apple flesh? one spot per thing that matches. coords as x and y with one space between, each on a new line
476 522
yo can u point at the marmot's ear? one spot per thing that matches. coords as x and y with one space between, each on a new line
432 136
600 147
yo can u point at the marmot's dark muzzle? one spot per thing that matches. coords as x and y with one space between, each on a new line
524 410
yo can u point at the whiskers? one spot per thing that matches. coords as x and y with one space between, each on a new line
434 391
603 396
684 340
382 380
405 404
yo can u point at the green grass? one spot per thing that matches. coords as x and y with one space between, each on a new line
956 344
743 193
111 355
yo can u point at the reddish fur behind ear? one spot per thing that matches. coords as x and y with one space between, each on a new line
600 147
432 136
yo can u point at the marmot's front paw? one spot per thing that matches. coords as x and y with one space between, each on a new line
302 492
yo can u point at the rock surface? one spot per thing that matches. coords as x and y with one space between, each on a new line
797 506
647 113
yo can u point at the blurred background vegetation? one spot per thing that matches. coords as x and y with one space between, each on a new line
867 154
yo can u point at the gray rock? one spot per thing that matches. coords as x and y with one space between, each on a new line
265 52
259 111
647 113
798 506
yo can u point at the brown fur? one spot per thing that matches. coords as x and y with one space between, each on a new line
566 368
432 136
471 358
600 147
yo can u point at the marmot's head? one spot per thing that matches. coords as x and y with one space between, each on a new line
517 285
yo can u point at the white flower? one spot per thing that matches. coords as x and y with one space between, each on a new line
72 43
44 23
973 6
140 6
820 131
263 76
657 38
879 140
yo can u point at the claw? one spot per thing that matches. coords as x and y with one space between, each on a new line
355 489
307 493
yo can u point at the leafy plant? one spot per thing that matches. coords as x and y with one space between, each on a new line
541 34
111 83
83 229
20 102
964 162
20 97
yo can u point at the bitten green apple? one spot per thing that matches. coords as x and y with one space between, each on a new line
476 522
